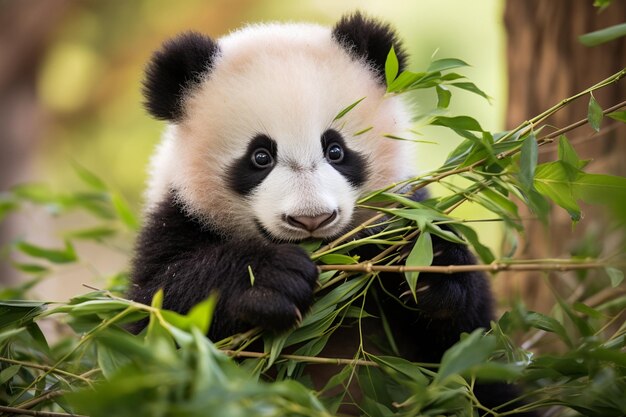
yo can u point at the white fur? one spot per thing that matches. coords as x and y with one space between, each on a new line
287 81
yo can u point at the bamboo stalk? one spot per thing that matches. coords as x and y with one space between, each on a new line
19 412
561 266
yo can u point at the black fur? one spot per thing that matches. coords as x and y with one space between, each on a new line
189 262
181 63
242 175
353 166
371 40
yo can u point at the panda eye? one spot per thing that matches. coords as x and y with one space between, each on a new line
334 153
261 158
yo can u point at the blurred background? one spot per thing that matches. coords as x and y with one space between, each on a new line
70 81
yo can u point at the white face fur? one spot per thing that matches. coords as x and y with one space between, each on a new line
287 82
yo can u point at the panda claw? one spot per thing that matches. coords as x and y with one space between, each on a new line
299 316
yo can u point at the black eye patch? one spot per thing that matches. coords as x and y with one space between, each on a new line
352 165
243 175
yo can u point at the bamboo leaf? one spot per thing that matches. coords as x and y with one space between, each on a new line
528 161
471 350
420 255
57 256
8 373
549 324
471 87
443 96
594 114
347 109
89 177
615 275
458 122
338 259
568 154
472 237
124 212
552 180
446 64
603 35
618 115
95 233
391 66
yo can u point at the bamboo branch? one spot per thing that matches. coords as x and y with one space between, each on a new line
44 368
19 412
50 395
300 358
561 265
424 181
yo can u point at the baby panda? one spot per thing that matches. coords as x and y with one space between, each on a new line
254 160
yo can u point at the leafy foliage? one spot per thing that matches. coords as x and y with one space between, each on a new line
97 368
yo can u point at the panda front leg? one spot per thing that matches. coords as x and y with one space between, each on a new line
449 304
257 284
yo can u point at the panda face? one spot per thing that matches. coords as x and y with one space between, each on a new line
296 194
256 148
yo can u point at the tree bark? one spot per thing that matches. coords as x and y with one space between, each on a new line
546 64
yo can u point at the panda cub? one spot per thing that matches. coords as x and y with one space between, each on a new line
253 161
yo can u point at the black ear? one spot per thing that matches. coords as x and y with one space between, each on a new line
369 39
180 64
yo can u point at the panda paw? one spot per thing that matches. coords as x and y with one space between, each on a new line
449 295
282 290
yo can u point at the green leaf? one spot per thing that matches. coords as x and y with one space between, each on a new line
15 313
585 309
443 96
95 233
618 115
9 373
391 66
124 212
201 314
543 322
471 350
471 87
458 122
31 268
7 206
494 371
157 299
110 360
446 64
472 237
362 131
337 259
347 109
402 366
603 35
404 80
528 161
594 115
420 255
609 190
57 256
553 180
568 154
615 275
251 274
89 177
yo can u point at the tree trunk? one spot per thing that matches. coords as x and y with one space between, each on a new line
547 63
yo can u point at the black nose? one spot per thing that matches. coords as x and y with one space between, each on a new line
311 223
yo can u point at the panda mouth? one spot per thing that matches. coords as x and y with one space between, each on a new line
291 234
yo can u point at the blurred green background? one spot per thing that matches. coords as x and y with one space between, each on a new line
87 88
